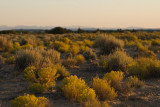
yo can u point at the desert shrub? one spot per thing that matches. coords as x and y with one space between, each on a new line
2 60
5 44
79 59
69 62
36 88
145 68
75 89
155 42
83 49
25 46
103 89
134 82
88 43
74 49
115 77
44 76
67 40
36 57
61 46
143 51
16 46
119 60
108 44
6 54
61 70
89 54
10 60
29 101
103 64
155 49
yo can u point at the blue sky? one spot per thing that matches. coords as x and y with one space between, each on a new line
90 13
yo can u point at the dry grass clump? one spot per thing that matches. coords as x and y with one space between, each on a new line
134 82
79 59
89 55
61 70
145 68
36 57
119 61
5 44
116 78
103 89
69 62
45 77
143 51
75 89
29 101
108 44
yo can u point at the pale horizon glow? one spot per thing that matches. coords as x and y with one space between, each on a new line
89 13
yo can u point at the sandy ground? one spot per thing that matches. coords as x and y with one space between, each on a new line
12 86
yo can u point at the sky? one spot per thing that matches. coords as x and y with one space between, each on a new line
89 13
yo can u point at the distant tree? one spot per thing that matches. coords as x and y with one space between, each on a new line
59 30
79 30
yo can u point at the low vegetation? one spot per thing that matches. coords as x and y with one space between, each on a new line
108 44
103 89
29 101
89 69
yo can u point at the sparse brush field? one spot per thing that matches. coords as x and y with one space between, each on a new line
80 70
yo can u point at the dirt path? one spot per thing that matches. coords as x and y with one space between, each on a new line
11 86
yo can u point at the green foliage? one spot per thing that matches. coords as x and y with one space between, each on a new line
145 68
29 101
108 44
75 89
115 77
103 89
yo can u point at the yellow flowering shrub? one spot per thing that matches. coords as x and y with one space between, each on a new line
74 49
103 89
115 77
75 89
29 101
79 59
44 76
